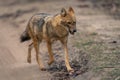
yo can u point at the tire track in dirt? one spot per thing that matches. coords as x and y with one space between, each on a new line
13 57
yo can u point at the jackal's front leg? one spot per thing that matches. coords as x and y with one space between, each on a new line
64 42
51 60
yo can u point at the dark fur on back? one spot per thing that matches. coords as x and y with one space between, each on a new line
24 37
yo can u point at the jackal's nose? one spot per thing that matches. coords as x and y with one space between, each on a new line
75 30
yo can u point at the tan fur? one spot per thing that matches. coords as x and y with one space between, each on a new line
55 28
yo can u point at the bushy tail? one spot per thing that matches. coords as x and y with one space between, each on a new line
24 37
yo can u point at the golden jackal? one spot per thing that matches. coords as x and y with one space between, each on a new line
50 27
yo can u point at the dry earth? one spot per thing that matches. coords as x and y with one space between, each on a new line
94 50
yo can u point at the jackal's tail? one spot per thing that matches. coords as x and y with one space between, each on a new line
25 36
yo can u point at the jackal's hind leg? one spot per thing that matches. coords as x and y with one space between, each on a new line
51 58
38 57
36 43
29 53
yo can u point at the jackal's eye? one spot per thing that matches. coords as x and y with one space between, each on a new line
74 22
69 22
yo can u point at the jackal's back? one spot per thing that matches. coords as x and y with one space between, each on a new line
34 26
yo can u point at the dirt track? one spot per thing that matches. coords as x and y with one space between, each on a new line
13 19
13 54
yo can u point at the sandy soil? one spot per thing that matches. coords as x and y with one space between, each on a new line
92 24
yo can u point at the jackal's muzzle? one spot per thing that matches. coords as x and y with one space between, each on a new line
72 31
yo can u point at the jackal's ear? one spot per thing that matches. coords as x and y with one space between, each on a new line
63 12
71 10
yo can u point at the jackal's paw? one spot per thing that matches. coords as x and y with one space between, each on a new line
43 69
50 62
71 71
28 60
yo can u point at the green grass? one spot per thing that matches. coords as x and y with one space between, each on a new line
103 60
113 75
94 33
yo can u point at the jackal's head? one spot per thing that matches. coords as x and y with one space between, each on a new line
68 19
